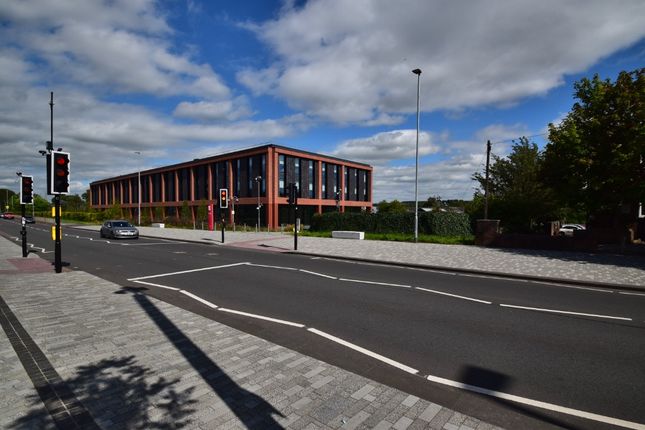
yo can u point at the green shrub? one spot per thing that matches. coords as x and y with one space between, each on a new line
430 223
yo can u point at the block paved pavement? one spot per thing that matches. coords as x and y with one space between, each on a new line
136 362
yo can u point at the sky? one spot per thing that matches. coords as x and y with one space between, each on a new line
182 79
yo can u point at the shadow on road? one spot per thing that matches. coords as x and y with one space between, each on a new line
495 381
121 385
251 409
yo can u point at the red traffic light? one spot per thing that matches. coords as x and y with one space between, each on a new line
223 198
60 172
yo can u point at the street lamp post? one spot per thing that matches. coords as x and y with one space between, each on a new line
416 165
258 179
139 189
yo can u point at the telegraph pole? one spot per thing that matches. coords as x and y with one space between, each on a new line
488 145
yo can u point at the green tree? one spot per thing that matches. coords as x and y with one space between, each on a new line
595 157
41 204
202 213
394 206
516 193
186 215
72 203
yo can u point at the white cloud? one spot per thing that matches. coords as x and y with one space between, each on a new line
102 137
229 110
351 61
123 46
383 148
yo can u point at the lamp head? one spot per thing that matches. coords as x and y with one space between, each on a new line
417 71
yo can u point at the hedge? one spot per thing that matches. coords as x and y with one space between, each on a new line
435 223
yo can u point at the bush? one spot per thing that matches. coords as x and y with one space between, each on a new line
431 223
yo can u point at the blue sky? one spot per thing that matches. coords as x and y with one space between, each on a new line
177 80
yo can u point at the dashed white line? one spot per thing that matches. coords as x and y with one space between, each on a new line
555 311
155 285
199 299
454 295
538 404
261 317
386 284
364 351
271 267
317 274
631 294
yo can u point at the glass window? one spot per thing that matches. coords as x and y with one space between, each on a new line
281 175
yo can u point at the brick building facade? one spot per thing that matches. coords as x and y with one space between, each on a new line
324 183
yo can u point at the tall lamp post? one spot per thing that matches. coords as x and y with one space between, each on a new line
139 189
258 179
416 165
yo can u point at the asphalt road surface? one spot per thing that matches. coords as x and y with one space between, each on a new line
518 354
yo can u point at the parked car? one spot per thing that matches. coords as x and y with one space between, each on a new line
8 215
119 229
568 229
30 220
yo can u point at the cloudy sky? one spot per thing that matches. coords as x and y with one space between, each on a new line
177 80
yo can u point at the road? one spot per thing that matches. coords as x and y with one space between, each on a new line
543 355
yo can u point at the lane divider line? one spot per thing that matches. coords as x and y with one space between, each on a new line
386 284
538 404
261 317
364 351
631 294
454 295
188 271
554 311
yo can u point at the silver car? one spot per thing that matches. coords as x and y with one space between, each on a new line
119 229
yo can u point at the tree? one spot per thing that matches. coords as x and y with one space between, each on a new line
41 204
595 157
516 193
394 206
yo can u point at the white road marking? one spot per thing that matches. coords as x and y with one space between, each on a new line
386 284
364 351
600 290
271 267
275 320
317 274
199 299
179 252
454 295
538 404
565 312
188 271
155 285
631 294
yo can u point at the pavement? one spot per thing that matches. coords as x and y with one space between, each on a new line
77 351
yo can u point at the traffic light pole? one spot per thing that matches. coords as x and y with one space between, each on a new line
295 227
23 233
57 248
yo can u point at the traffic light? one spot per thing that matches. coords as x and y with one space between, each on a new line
26 190
60 172
223 198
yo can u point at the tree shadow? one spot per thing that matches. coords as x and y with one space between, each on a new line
116 393
482 381
252 410
605 259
